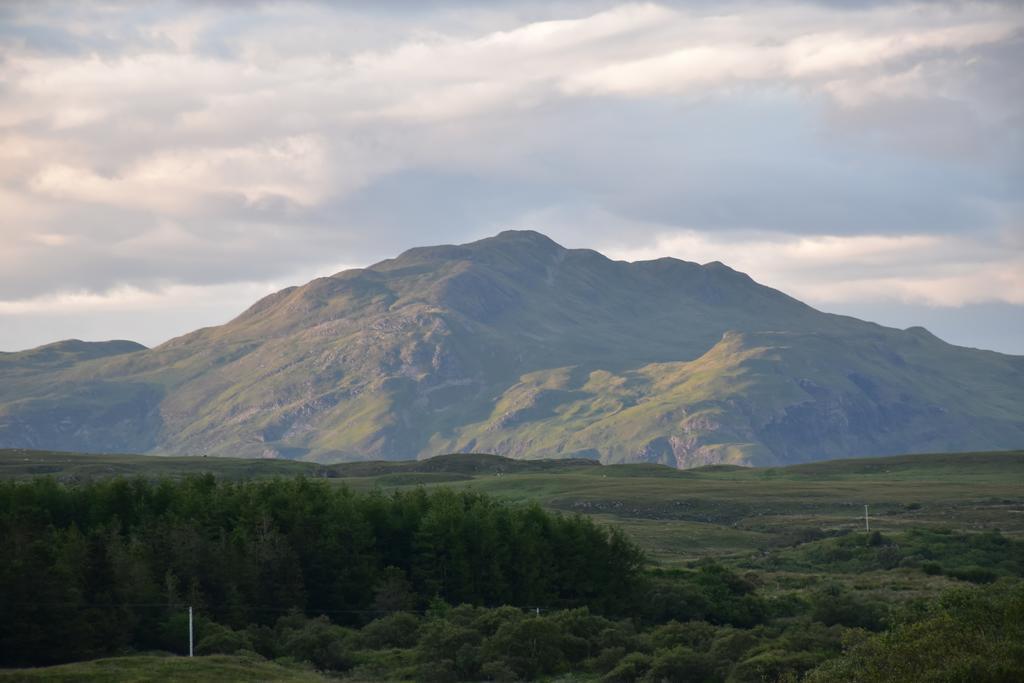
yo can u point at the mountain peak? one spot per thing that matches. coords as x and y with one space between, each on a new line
524 237
517 346
70 351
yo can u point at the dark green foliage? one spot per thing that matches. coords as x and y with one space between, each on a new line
223 640
528 647
112 565
969 635
410 585
712 593
449 649
318 641
836 605
682 663
632 667
695 634
773 665
395 630
977 557
974 574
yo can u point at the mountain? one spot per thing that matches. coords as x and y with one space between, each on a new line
517 346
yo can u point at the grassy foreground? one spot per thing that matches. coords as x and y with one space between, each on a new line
144 668
764 574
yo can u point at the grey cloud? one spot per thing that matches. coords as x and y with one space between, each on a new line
776 155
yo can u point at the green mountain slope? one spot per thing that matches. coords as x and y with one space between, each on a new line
517 346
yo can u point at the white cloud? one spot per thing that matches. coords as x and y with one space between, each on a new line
156 146
775 57
678 71
936 270
174 180
827 51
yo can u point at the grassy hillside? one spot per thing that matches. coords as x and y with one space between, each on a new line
143 669
517 346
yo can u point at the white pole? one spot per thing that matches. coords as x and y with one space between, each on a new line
190 630
867 526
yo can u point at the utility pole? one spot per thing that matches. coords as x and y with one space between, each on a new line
190 630
867 526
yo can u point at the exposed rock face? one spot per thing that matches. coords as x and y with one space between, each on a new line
517 346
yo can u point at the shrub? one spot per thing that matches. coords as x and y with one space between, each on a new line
682 664
444 647
395 630
773 666
223 640
530 647
327 646
607 659
694 634
630 668
974 574
972 634
835 605
731 645
888 557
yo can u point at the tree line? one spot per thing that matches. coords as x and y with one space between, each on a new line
449 585
108 566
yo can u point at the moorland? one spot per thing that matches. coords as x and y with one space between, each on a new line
477 567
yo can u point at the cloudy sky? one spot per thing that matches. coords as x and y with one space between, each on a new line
163 164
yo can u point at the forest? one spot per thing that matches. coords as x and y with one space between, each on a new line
447 585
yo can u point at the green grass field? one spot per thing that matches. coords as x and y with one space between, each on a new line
675 515
146 668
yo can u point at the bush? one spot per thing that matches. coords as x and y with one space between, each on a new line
448 647
396 630
972 634
499 671
713 593
530 647
888 557
224 641
383 665
694 634
974 574
732 645
630 668
773 666
682 664
607 659
835 605
326 646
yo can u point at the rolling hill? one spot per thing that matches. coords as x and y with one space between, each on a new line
517 346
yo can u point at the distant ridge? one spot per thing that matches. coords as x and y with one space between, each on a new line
517 346
18 463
